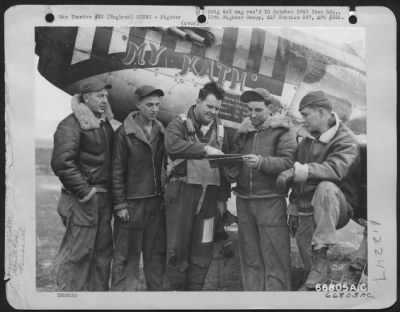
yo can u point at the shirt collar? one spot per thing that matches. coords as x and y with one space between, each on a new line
197 123
205 128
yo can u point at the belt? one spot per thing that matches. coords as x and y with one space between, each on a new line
99 189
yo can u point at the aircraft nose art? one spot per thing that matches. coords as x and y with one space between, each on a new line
181 60
236 58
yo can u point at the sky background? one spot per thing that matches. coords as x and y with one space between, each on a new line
53 104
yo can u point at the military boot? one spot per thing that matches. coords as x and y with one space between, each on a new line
319 268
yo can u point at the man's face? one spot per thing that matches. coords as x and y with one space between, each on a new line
315 119
208 108
97 101
149 107
258 112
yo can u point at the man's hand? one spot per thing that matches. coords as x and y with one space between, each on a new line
284 181
293 224
251 161
89 196
123 214
209 150
221 206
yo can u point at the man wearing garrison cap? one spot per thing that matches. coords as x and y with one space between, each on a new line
82 161
324 184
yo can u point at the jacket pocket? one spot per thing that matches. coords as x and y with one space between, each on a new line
84 240
86 214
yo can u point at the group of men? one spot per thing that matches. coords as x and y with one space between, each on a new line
165 197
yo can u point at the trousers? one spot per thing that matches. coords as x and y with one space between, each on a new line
264 244
331 212
143 234
190 235
86 249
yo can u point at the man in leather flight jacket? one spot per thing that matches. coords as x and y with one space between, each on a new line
139 226
82 161
325 181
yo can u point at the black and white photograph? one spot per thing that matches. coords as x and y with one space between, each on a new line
214 159
169 92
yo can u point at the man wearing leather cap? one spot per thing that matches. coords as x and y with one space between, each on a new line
82 161
324 179
195 192
137 195
268 145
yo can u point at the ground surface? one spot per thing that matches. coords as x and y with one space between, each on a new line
223 275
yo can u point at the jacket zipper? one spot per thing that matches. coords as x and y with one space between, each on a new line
154 169
307 161
251 170
108 156
152 163
310 151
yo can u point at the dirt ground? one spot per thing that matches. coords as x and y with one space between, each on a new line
223 275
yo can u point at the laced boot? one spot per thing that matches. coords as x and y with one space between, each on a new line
319 269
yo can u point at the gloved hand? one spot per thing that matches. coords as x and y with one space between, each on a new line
284 181
293 224
123 214
231 173
209 150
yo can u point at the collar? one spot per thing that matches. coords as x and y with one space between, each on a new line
140 122
87 120
132 126
192 115
276 121
205 128
331 132
196 123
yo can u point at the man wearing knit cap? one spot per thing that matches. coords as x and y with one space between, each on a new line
324 184
82 161
269 148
